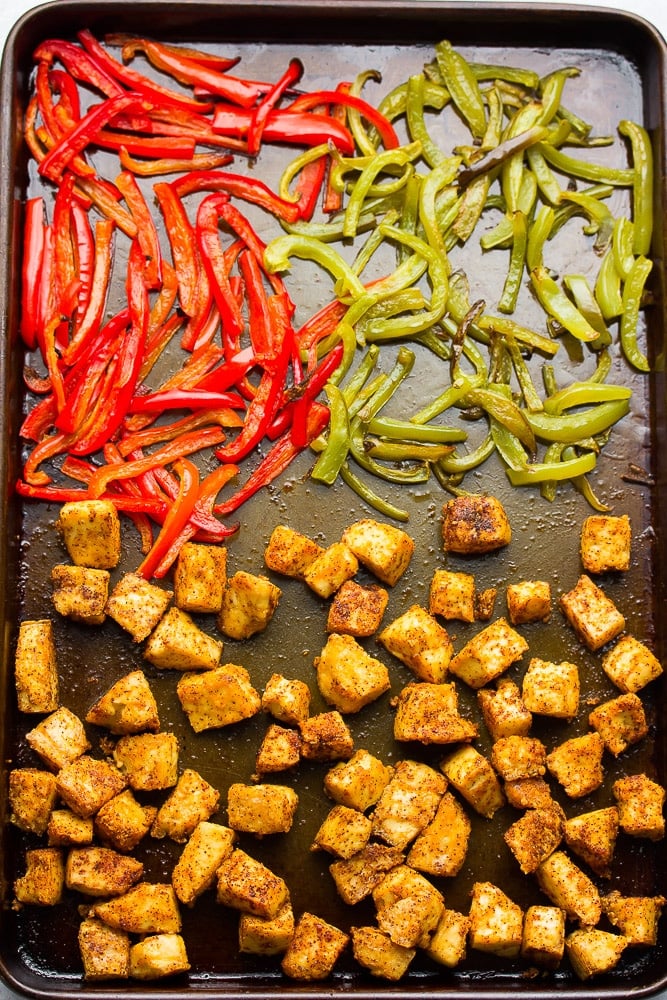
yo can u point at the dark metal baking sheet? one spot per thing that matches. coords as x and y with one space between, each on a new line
623 75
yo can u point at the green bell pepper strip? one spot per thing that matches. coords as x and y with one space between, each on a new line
558 471
572 427
462 85
406 451
329 462
622 243
439 178
405 360
530 395
549 487
417 473
507 327
602 221
547 184
454 465
363 137
584 394
585 170
585 301
514 277
364 491
400 157
633 291
416 123
394 105
503 410
279 251
582 485
551 91
538 233
372 244
642 208
607 288
361 375
501 235
520 125
556 303
508 446
471 206
453 395
525 78
505 151
294 168
406 430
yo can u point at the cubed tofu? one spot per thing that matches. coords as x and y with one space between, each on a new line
631 665
375 951
290 552
429 713
59 738
543 936
605 543
503 710
87 783
357 610
551 689
636 917
419 641
36 667
528 793
90 530
314 949
473 777
496 921
191 801
358 782
249 603
452 595
261 809
592 837
592 614
149 761
408 906
80 593
123 822
286 699
146 908
137 605
325 737
344 832
105 951
515 757
488 654
592 951
474 524
528 601
32 796
383 549
576 764
331 569
263 936
449 942
177 643
620 722
206 848
43 881
348 677
129 706
534 836
218 697
485 602
640 802
245 884
568 887
356 877
408 803
441 847
101 871
66 829
157 956
279 750
200 577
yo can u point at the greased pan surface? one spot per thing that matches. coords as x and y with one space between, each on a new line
622 75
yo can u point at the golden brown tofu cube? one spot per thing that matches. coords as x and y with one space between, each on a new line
356 877
449 941
262 936
566 885
101 871
157 956
419 641
122 821
474 524
287 700
383 549
551 688
631 665
105 951
452 595
543 936
32 796
177 643
146 908
245 884
314 949
43 881
485 602
408 906
137 605
408 803
488 654
593 616
348 677
635 916
528 793
290 552
429 713
473 777
503 710
205 850
129 706
441 848
91 532
592 951
80 593
36 668
620 722
528 601
605 543
191 801
248 605
59 738
515 757
376 952
534 836
200 577
280 750
576 764
87 783
149 761
66 829
357 610
344 832
331 569
218 697
640 803
592 836
261 809
358 782
326 736
496 921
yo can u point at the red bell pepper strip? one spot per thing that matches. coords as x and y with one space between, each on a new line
63 247
185 399
84 253
146 230
64 494
104 198
307 391
83 380
177 517
183 243
301 128
215 266
77 62
259 316
160 433
309 185
386 131
250 189
152 168
31 267
209 59
261 112
156 147
230 372
91 319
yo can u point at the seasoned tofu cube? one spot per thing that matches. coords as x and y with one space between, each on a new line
266 936
605 543
218 697
496 921
503 710
383 549
105 951
620 722
408 906
419 641
631 665
331 569
191 801
43 881
200 576
592 837
534 836
551 688
488 654
80 593
248 605
449 942
344 832
314 949
36 668
129 706
515 757
261 809
441 847
408 803
245 884
357 610
326 736
157 956
473 777
205 850
452 595
59 738
640 803
66 829
357 782
376 952
146 908
543 936
485 602
32 796
356 877
348 677
137 605
429 713
592 614
592 951
177 643
635 916
528 793
101 871
287 700
528 601
90 530
87 783
122 821
577 764
474 524
149 761
290 552
280 750
566 885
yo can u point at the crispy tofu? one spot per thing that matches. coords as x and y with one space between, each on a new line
503 710
245 884
568 887
576 764
36 667
636 917
474 524
249 603
200 577
631 665
551 689
528 793
43 881
534 836
473 777
449 942
592 837
123 822
261 809
592 614
592 951
129 706
408 906
105 951
80 593
87 783
620 722
137 605
218 697
408 803
375 951
543 940
441 847
485 602
640 802
348 677
286 699
66 829
149 761
32 797
177 643
344 832
356 877
101 871
314 949
191 801
266 936
331 569
279 750
325 737
488 654
59 738
429 713
206 848
90 530
515 757
419 641
290 552
157 956
496 921
358 782
383 549
528 601
452 595
605 543
146 908
357 610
